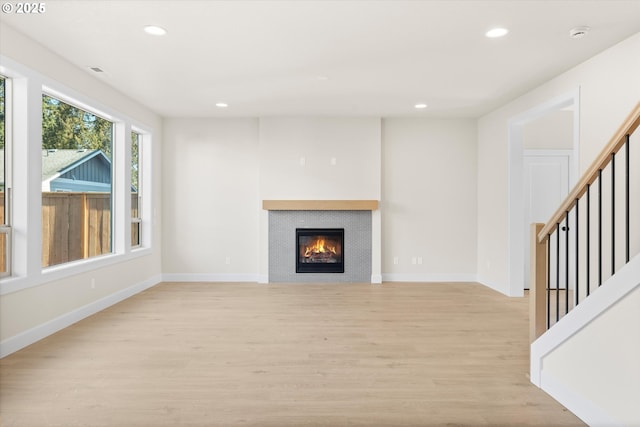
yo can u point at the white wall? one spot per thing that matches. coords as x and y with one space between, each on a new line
354 143
423 171
210 204
42 303
429 200
609 89
233 164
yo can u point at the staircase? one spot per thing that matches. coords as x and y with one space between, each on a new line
585 289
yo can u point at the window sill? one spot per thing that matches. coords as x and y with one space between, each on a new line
15 284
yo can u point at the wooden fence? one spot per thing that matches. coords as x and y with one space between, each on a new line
3 238
74 226
135 225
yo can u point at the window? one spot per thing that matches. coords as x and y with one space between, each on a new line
76 183
77 216
136 191
5 229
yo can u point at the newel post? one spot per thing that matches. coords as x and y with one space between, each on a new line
537 284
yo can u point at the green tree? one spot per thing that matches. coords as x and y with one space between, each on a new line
135 162
67 127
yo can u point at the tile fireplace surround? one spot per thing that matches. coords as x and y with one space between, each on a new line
354 216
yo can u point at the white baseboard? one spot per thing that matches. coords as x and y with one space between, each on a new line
253 278
258 278
492 285
583 408
30 336
418 277
210 277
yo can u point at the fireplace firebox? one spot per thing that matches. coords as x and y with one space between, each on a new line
319 250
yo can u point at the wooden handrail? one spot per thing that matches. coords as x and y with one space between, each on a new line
616 142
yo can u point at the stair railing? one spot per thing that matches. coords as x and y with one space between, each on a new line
588 238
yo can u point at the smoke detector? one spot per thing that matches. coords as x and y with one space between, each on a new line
578 32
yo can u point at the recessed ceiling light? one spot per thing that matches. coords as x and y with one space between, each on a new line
420 106
222 104
155 30
496 32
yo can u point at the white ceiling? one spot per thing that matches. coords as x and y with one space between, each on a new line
327 57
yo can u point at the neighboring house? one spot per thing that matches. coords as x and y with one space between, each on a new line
75 170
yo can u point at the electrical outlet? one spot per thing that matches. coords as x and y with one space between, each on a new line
227 260
414 260
419 260
395 260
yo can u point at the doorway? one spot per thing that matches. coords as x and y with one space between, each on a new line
546 185
521 128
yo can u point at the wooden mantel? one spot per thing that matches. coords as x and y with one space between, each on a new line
320 205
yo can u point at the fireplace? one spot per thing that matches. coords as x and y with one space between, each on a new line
283 246
319 250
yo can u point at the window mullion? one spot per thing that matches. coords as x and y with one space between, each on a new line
121 178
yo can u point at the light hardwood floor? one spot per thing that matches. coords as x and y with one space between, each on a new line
242 354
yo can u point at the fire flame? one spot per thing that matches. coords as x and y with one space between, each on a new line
319 247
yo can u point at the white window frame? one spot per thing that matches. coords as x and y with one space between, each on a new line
26 199
138 220
145 150
5 227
